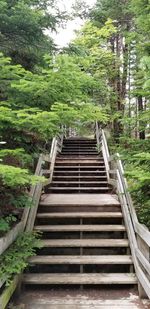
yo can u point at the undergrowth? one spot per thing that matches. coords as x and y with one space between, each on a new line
14 260
135 155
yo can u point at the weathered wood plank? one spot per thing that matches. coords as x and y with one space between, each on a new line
145 263
80 199
143 232
62 215
10 237
8 292
58 243
84 227
33 210
32 194
87 259
118 278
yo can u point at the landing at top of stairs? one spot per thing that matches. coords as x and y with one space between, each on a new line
82 199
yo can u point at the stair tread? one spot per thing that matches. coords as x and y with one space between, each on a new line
79 156
80 215
78 161
84 227
69 278
78 167
79 172
78 153
80 199
79 188
79 140
79 182
78 177
84 243
79 148
86 259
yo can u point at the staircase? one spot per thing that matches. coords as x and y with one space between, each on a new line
79 169
84 237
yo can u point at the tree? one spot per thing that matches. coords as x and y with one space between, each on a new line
95 57
141 11
62 80
121 16
23 26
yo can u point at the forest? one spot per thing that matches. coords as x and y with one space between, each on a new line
102 75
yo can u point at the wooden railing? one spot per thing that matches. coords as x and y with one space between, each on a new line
36 190
29 214
138 234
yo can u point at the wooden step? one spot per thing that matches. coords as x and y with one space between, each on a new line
84 243
81 260
79 144
80 215
96 167
77 156
78 161
79 182
118 278
84 227
81 177
80 140
98 170
79 200
83 153
79 172
77 189
78 148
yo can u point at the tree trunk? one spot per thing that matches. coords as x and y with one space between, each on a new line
141 109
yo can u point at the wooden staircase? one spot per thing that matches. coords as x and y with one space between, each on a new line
84 237
79 169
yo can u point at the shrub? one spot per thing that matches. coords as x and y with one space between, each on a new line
14 260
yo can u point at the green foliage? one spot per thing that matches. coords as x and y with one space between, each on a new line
79 114
62 80
16 177
91 36
14 260
6 222
22 29
115 9
131 89
21 201
96 58
139 181
137 167
15 183
15 157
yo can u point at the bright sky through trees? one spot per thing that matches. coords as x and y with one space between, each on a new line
64 36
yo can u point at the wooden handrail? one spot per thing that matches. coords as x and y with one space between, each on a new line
102 144
29 214
37 190
139 235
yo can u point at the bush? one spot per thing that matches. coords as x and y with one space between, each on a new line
15 183
137 168
14 260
